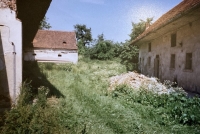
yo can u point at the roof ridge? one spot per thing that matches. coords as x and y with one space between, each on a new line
174 13
56 31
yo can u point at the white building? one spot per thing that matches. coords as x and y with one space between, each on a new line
53 46
170 48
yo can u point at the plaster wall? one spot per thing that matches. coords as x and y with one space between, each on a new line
51 55
10 54
187 41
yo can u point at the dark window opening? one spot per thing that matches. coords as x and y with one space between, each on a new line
149 47
59 55
149 61
64 42
188 64
172 62
173 40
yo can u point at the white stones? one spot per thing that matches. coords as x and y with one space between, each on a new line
139 81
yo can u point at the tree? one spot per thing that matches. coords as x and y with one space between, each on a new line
139 28
130 53
83 34
44 24
100 37
129 56
103 49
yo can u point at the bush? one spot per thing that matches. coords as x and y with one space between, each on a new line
129 56
103 50
26 117
179 108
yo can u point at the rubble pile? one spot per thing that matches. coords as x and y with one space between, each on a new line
139 81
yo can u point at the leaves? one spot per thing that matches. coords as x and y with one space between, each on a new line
139 28
83 34
44 24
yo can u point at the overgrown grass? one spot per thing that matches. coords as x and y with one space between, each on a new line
89 108
29 117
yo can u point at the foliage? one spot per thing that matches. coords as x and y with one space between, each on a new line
176 106
89 108
129 56
26 117
44 24
83 34
139 28
130 53
102 51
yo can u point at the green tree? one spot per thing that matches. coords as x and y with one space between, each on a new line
44 24
129 56
103 49
130 53
139 28
83 34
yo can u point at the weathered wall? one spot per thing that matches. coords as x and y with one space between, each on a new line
51 55
10 53
188 41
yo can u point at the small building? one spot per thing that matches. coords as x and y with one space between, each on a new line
170 48
53 46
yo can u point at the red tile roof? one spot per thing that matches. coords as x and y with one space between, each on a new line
55 40
182 8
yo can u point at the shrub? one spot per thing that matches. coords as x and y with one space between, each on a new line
129 56
179 107
102 51
26 117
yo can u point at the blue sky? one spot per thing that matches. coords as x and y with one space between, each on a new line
111 17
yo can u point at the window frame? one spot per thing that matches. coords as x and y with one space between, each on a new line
188 61
173 39
173 61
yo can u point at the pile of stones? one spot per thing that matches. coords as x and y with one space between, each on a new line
138 81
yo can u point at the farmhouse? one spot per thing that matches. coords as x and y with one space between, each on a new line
53 46
170 48
19 21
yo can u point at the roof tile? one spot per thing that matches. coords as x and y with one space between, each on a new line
55 40
177 11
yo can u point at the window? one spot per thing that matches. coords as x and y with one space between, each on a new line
34 54
188 64
59 55
172 62
149 61
173 40
149 47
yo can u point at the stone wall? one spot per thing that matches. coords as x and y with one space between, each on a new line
51 55
187 41
10 54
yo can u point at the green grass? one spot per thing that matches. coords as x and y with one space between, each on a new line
85 105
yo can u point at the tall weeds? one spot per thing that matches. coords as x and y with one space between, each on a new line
29 117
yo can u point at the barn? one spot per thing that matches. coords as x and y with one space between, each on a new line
53 46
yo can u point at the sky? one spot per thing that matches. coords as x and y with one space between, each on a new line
113 18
